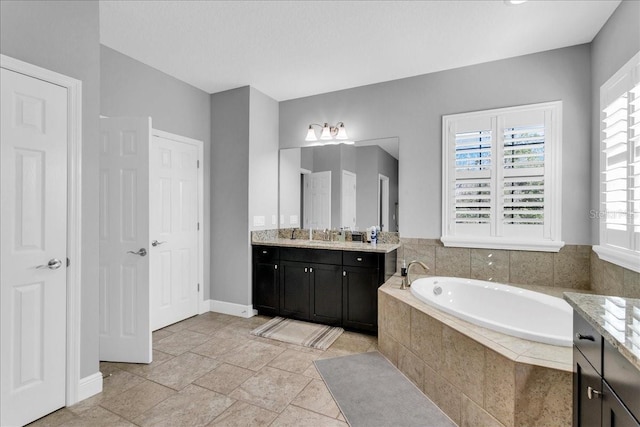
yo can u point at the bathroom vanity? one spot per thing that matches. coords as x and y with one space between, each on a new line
333 283
606 359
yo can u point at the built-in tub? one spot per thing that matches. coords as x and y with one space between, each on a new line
503 308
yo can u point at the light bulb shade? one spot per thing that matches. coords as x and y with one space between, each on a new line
342 132
326 132
311 135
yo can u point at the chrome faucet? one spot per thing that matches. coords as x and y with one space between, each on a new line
406 280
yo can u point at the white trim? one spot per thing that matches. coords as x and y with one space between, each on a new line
233 309
624 258
202 306
74 212
501 243
90 386
205 307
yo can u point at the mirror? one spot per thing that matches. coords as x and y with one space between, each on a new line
340 186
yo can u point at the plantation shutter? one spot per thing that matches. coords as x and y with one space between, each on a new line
499 178
620 167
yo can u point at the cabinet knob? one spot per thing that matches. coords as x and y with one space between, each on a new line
585 337
306 270
359 259
344 274
311 270
275 267
592 393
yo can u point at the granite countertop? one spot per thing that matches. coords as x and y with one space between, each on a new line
616 319
330 245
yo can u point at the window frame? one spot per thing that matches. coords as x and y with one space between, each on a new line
510 240
621 83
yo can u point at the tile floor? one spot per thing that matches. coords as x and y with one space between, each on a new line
209 371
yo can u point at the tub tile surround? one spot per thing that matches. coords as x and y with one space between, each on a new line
473 373
573 267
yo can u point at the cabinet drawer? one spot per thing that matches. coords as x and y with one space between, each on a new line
623 377
266 254
319 256
360 259
588 341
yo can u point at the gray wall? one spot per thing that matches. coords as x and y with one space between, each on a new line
412 110
229 195
63 36
131 88
613 46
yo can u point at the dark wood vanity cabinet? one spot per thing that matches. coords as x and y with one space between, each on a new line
266 280
332 287
605 384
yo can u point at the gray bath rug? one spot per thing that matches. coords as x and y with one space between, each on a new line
371 392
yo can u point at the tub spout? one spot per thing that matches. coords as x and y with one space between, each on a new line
406 281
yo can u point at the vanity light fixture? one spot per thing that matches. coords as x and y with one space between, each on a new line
328 132
514 2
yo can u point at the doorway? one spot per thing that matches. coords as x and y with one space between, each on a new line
383 202
40 248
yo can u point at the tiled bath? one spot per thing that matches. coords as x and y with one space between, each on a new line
476 376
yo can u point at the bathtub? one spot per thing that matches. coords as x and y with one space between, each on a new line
503 308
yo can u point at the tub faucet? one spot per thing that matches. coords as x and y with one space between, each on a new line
406 281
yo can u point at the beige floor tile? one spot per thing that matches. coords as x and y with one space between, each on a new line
293 416
115 384
293 361
54 419
137 400
219 346
98 417
252 355
208 326
185 324
160 334
317 398
242 414
182 370
224 378
143 369
181 342
312 372
341 417
192 406
271 388
352 343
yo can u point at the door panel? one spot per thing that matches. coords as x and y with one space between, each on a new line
125 334
326 294
174 225
33 228
294 289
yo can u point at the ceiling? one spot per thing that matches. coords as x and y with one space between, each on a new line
292 49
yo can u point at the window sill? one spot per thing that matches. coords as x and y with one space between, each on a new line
498 243
622 257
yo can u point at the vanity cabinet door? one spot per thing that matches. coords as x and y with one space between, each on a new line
614 413
326 294
266 282
360 298
587 389
294 289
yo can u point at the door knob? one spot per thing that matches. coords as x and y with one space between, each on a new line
141 252
53 264
156 243
593 393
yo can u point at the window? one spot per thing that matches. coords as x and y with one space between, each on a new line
501 178
620 167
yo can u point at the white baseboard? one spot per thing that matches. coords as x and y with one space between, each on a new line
89 386
233 309
205 306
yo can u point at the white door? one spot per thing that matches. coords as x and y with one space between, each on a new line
173 255
348 200
317 200
33 248
125 330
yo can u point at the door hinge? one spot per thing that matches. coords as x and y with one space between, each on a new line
198 164
198 287
198 226
68 262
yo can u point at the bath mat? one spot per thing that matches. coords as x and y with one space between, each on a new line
372 392
300 333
